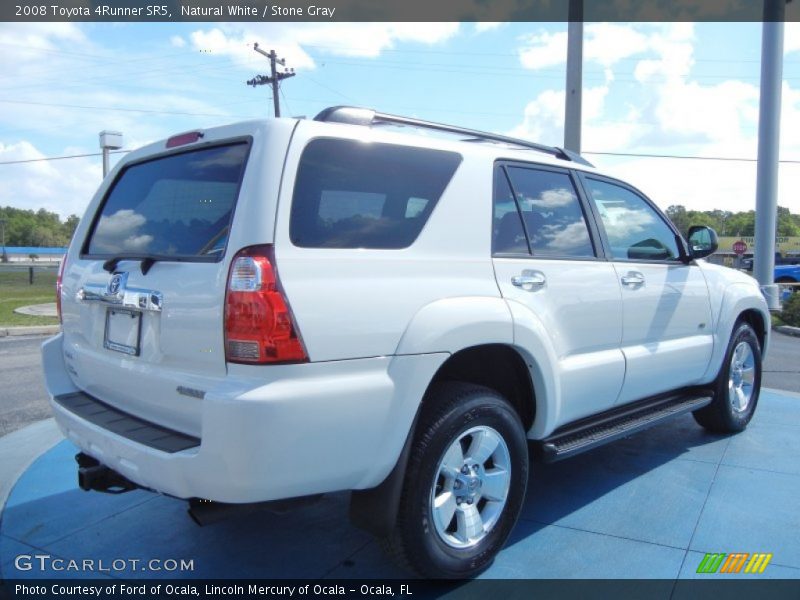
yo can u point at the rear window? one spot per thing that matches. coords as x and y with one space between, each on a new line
177 206
352 194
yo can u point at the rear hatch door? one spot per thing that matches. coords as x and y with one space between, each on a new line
144 285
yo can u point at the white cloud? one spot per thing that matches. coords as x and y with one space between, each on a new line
544 50
24 45
604 43
671 113
92 76
543 120
707 113
61 186
484 26
608 43
290 40
121 231
791 37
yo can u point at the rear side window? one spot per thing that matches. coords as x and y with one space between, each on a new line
509 236
177 206
352 194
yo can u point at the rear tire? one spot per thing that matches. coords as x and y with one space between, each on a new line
464 485
737 386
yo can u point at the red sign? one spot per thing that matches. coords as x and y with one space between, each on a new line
739 247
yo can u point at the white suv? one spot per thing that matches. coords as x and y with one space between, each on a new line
277 309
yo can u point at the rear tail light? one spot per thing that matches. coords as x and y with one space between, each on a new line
58 287
259 327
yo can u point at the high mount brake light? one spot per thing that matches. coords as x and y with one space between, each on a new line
259 327
184 138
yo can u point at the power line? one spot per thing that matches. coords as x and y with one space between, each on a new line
685 157
514 54
335 47
285 101
127 109
31 160
307 100
628 154
327 87
520 72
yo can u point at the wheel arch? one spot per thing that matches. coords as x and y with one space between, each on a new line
498 366
739 304
757 321
474 331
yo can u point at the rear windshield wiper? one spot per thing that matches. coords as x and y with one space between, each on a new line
146 264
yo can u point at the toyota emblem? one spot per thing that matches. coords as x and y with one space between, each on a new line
114 284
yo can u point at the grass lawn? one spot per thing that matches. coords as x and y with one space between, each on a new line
15 291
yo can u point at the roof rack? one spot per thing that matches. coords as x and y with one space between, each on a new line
353 115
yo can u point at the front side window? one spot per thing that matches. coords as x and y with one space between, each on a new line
551 212
635 230
178 206
351 194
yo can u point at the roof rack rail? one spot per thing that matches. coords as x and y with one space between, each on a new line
353 115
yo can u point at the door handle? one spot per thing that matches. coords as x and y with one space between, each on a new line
529 280
633 278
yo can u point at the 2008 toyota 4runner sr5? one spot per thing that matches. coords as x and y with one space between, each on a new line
279 309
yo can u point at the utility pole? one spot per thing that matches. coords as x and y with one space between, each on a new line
273 79
574 87
769 120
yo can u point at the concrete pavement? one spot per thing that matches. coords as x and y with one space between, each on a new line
648 506
38 310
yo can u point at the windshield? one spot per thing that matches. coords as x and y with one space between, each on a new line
175 206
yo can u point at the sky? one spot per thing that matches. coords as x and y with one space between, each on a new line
666 88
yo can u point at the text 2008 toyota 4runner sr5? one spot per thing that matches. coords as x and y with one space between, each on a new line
278 309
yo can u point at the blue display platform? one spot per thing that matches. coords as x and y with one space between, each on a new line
648 506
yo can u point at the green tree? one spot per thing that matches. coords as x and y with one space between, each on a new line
39 228
787 224
742 224
679 217
70 225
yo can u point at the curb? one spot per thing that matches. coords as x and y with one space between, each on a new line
788 330
33 330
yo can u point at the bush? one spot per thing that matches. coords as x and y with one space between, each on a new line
791 310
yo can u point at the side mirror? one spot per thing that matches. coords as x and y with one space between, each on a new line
702 241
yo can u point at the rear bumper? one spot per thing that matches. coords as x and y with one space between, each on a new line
270 432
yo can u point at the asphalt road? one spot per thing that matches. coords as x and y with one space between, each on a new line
23 399
782 367
22 396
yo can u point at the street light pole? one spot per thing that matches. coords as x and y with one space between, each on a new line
109 140
574 84
769 119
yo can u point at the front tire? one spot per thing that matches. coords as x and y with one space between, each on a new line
738 385
464 486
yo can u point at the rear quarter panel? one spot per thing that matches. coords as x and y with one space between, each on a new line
352 303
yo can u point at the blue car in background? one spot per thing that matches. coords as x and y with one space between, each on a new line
787 274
